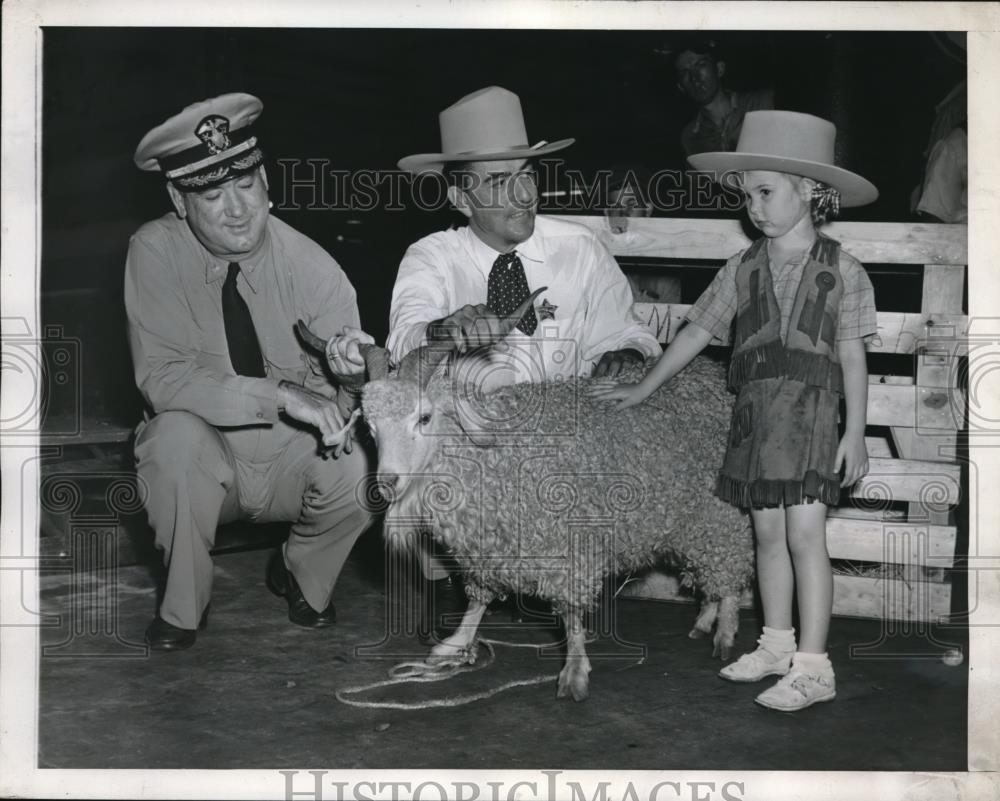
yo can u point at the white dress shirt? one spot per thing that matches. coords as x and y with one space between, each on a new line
585 311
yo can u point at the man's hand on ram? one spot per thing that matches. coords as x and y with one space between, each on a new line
343 353
468 328
614 361
315 409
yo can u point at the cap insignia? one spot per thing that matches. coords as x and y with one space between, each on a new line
213 131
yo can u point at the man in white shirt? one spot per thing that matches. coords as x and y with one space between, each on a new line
456 285
453 284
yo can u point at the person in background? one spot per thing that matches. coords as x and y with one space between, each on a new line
699 71
212 293
943 195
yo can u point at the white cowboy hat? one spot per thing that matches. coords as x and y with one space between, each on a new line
789 142
487 125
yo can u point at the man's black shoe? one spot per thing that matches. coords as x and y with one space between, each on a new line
281 582
163 636
442 605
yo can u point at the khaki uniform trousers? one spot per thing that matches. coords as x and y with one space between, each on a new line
194 483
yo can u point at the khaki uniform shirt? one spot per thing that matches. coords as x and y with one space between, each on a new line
173 299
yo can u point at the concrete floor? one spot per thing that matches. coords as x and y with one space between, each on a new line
257 692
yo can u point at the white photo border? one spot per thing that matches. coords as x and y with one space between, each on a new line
20 227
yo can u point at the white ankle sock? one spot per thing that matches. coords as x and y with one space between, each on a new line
812 663
780 642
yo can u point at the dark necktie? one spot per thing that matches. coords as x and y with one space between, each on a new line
507 287
244 349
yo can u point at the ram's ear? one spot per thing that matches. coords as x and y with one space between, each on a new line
447 408
481 439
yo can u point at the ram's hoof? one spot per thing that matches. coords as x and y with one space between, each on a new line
722 651
471 653
577 687
446 652
697 634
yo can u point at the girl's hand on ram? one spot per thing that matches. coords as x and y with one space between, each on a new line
622 395
343 353
308 406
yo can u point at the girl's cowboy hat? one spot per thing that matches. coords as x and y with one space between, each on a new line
487 125
789 142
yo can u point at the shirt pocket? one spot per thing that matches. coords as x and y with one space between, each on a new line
286 357
213 350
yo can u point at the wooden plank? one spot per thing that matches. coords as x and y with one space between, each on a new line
861 513
662 319
877 243
892 380
890 542
66 430
890 599
938 447
898 405
943 287
942 293
936 483
87 466
902 332
853 596
878 446
898 332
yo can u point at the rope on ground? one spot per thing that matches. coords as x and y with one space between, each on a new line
424 672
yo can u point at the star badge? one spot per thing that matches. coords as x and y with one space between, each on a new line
546 311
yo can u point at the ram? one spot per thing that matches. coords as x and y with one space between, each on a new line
539 490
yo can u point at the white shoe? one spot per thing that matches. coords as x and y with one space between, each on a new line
797 690
757 665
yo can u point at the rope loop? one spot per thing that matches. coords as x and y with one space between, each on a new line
423 672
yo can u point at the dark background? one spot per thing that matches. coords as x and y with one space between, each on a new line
362 99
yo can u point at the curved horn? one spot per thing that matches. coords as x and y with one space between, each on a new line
311 340
419 364
508 324
376 360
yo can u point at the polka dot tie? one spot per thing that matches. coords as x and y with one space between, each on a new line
506 289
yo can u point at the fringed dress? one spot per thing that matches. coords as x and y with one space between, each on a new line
785 370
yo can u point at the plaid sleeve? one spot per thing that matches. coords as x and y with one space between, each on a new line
715 309
858 318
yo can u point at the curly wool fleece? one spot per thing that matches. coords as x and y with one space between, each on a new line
568 492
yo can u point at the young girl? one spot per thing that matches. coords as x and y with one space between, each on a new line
803 308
